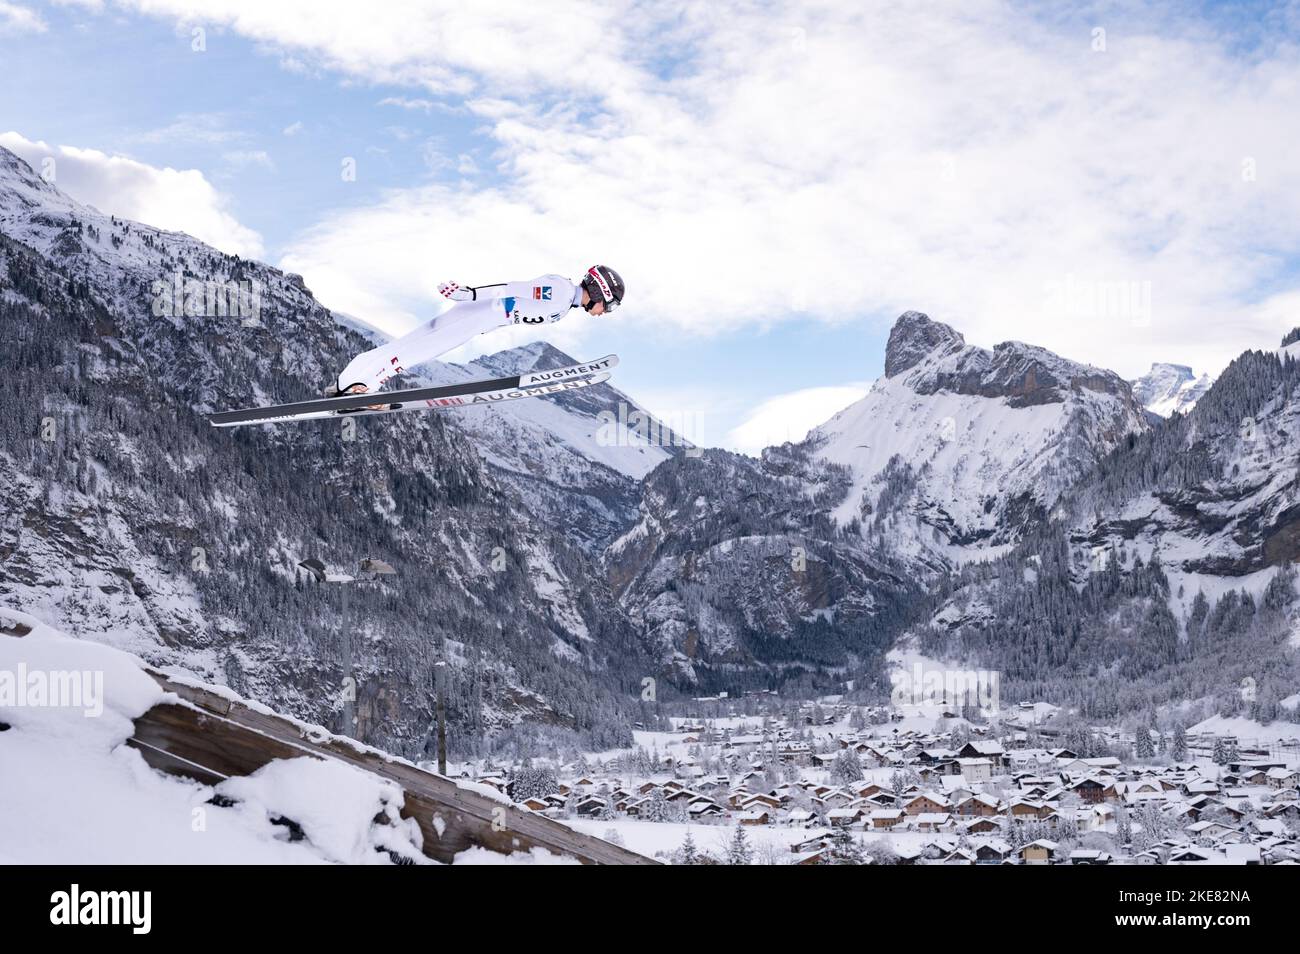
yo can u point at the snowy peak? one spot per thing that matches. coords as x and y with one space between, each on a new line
914 338
1167 388
17 176
931 357
534 356
957 446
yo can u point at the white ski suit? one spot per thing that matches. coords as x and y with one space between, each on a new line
541 300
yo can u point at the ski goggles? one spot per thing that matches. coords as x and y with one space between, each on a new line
594 300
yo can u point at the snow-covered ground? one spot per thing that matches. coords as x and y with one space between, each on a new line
74 792
1248 731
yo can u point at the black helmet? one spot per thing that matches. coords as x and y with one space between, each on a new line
603 284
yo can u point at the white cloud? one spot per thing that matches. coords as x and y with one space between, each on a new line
789 417
850 159
179 199
293 128
19 19
424 105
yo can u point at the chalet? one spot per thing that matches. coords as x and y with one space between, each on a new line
818 856
1268 828
810 844
1243 854
844 817
1038 852
736 797
1105 763
680 794
884 818
1237 808
907 854
1209 830
762 817
1090 790
979 805
636 808
976 769
1244 768
955 788
1190 855
982 826
836 798
1024 808
1142 787
992 751
1100 817
704 808
926 803
800 818
1282 778
935 756
1283 809
933 821
797 753
591 805
1086 857
992 852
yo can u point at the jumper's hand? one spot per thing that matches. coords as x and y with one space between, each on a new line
455 292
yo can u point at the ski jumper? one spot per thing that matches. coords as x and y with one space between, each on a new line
541 300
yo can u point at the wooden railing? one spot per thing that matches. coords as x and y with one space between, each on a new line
208 736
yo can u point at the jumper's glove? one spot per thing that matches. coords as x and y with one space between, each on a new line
455 292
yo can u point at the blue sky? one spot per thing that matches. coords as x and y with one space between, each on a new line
775 182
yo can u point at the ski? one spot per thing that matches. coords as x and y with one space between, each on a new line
466 394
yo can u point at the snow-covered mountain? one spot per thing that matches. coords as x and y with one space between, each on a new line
1216 491
1166 573
1170 388
549 552
956 446
818 551
577 459
129 520
735 575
